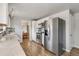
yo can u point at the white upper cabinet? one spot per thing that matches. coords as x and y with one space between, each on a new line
4 13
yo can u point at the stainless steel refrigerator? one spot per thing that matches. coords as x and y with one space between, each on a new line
46 35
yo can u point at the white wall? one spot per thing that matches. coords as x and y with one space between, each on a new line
34 23
30 29
76 30
65 15
72 26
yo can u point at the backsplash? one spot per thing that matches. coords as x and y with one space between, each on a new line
7 30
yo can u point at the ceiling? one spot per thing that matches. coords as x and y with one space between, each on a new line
39 10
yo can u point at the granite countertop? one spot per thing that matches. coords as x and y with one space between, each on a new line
11 47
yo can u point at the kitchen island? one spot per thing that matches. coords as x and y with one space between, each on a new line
10 46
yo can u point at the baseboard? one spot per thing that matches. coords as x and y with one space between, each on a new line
66 50
76 46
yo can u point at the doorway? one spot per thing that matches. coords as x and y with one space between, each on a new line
59 36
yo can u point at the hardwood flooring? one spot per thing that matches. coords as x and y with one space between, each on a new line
74 52
33 49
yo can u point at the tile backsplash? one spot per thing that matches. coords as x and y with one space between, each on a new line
8 30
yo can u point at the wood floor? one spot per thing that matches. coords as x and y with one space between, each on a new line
33 49
74 52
